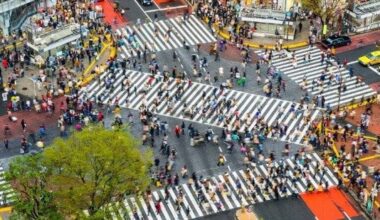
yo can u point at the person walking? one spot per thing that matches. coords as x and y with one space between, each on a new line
221 160
183 126
177 131
158 206
23 125
6 143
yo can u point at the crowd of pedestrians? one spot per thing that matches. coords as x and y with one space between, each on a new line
78 110
344 147
58 75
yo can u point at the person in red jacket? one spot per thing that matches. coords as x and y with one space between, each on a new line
5 63
177 131
158 206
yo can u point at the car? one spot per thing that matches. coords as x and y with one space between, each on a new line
146 2
370 58
336 41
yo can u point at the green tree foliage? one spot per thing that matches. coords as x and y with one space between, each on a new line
92 168
29 179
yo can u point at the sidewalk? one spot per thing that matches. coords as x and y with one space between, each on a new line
360 40
301 40
370 161
111 16
374 125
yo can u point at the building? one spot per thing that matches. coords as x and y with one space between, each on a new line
362 17
274 18
13 13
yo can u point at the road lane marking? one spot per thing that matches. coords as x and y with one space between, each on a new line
353 62
146 14
374 70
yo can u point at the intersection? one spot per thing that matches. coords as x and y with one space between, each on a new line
234 181
229 126
272 111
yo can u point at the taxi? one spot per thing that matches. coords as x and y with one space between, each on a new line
370 58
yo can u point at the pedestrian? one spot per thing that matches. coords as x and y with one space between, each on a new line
300 27
184 171
174 56
166 190
23 125
183 126
6 143
158 206
177 131
221 160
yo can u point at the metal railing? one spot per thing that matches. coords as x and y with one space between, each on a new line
12 4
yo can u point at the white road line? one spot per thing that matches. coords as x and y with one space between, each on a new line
141 8
352 62
374 70
165 9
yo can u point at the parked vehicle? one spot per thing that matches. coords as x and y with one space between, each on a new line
336 41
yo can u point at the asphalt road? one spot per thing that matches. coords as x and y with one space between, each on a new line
201 159
184 63
287 209
135 10
370 76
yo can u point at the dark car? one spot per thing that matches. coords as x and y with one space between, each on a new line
146 2
336 41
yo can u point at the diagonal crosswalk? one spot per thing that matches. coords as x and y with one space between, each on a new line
6 191
307 74
228 191
163 35
206 104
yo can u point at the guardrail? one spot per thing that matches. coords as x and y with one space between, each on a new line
12 4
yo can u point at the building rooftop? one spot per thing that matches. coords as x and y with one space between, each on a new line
367 9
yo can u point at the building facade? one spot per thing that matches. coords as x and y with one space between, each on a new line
13 13
271 18
363 16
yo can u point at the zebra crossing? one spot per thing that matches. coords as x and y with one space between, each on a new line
6 191
295 117
306 73
237 191
154 35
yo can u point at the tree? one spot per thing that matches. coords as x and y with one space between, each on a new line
86 171
29 180
326 10
94 167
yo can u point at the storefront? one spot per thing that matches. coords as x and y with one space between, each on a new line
269 23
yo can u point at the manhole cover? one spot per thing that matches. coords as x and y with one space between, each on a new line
24 88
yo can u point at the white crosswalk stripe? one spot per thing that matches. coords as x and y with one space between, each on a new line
7 195
238 189
312 69
260 108
154 35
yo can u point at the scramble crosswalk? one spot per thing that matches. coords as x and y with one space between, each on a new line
6 191
229 190
163 35
307 73
206 102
